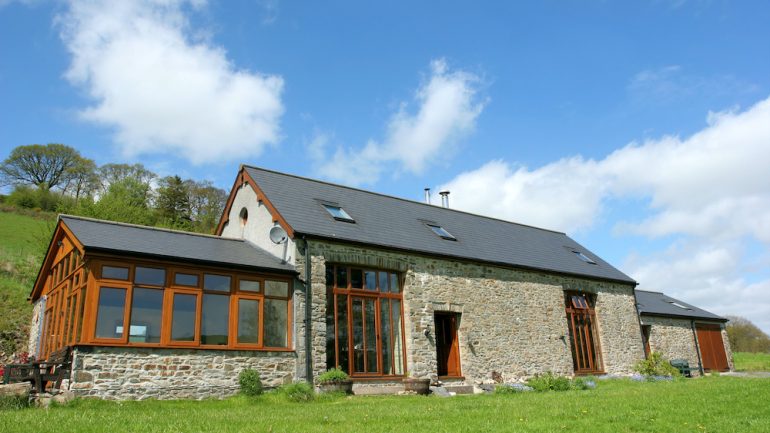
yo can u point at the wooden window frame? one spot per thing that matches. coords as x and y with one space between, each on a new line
170 289
377 295
595 350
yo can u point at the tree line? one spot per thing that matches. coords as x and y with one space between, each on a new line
57 178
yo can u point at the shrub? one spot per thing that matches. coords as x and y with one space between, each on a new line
298 392
250 382
333 375
549 382
9 402
655 365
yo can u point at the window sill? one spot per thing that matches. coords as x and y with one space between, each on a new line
157 346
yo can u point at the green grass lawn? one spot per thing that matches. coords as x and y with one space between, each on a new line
745 361
712 404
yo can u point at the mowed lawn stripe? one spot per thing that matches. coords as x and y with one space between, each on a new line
714 404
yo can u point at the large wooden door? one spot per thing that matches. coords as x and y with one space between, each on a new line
581 320
712 349
447 346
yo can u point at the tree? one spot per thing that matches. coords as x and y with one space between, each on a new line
45 166
173 202
115 173
81 179
206 205
744 336
126 201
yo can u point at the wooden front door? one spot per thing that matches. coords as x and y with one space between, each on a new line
447 346
712 349
581 320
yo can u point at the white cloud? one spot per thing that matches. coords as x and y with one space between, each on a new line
448 106
673 82
709 191
161 89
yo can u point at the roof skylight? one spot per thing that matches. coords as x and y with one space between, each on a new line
676 304
441 232
338 213
584 257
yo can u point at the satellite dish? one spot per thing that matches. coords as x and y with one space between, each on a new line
278 235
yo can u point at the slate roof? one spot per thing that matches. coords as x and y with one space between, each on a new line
393 222
121 238
659 304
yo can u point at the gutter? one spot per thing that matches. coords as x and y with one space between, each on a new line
697 347
308 315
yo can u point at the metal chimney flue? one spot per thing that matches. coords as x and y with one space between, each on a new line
444 198
427 195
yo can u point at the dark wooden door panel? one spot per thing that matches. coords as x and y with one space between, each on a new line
447 346
712 347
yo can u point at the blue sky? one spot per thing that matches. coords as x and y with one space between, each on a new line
640 128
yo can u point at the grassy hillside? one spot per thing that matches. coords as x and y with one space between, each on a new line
23 239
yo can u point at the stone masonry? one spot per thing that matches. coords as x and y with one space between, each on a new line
673 338
512 321
121 373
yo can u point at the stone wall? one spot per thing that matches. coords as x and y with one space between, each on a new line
512 321
35 328
674 339
728 348
121 373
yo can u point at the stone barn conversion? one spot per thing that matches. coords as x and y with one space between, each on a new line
679 330
305 275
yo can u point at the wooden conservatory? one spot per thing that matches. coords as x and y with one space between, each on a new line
111 285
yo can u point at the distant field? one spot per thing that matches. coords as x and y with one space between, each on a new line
745 361
711 404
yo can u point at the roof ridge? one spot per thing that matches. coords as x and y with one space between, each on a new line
649 291
139 226
401 198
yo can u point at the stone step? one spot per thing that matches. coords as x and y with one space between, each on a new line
460 389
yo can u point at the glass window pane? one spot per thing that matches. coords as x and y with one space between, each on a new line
356 279
276 323
277 288
398 340
342 277
215 319
151 276
370 277
219 283
109 315
248 286
190 280
146 314
358 336
114 273
248 321
337 212
387 349
383 281
394 283
329 275
183 317
371 337
342 333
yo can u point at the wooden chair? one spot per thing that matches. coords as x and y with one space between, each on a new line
54 369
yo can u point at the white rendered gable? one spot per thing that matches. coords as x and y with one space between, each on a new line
256 228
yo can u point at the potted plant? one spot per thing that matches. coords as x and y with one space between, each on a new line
335 380
417 385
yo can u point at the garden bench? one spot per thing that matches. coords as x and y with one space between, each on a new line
54 369
13 373
683 366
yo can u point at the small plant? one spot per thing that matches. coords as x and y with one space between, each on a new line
655 365
333 375
550 382
250 382
299 392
